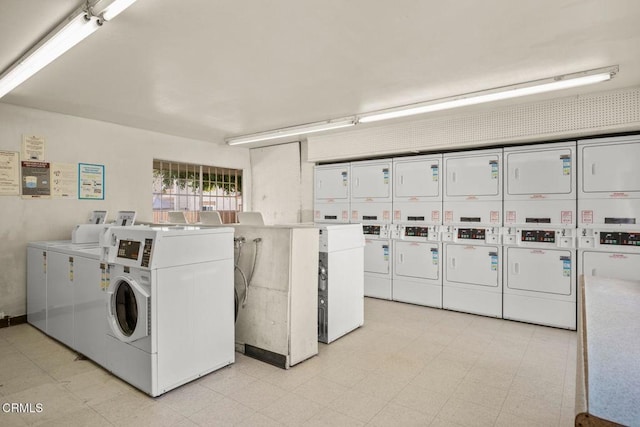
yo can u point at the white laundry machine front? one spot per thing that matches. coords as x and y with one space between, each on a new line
340 281
472 271
377 260
472 192
371 191
417 190
417 270
609 182
540 185
170 310
332 193
610 252
540 276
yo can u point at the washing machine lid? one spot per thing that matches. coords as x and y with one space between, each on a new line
128 309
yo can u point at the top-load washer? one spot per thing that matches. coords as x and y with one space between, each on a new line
540 185
371 191
170 310
609 183
332 193
472 192
417 190
340 281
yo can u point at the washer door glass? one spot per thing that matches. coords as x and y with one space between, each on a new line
126 308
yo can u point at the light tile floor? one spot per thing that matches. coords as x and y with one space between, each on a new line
408 365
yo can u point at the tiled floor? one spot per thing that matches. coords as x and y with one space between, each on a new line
408 365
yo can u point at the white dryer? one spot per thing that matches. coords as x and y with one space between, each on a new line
473 188
472 272
609 183
417 270
170 310
377 260
540 185
371 191
540 276
417 190
331 195
340 281
610 252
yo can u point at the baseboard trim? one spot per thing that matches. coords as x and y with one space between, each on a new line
12 321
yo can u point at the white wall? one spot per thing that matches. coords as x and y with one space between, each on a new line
127 155
276 183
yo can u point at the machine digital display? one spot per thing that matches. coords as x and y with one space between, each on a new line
371 229
129 249
415 218
538 236
620 239
538 220
471 233
369 218
416 231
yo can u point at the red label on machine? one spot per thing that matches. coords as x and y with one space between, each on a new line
448 216
472 198
510 217
618 256
386 215
435 216
413 199
345 215
586 217
494 217
397 215
330 200
538 196
354 215
618 195
566 217
317 214
368 199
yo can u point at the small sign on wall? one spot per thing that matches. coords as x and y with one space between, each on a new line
64 180
9 173
90 181
33 148
36 180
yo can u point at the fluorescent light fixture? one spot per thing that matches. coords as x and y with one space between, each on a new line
64 37
81 24
292 131
506 92
115 8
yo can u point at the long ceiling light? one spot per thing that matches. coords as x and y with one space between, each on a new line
292 131
506 92
81 24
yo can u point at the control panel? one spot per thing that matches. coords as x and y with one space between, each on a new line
419 233
382 231
620 239
128 249
544 236
472 233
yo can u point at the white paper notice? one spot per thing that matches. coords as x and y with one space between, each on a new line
33 148
90 181
9 173
64 180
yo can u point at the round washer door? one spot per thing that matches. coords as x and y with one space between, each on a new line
128 309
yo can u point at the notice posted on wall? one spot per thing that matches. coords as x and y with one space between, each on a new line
90 181
36 180
64 180
9 173
33 148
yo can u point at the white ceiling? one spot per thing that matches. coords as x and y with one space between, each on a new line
209 69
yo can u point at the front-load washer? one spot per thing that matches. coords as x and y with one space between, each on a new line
540 276
377 260
472 271
609 252
417 270
170 310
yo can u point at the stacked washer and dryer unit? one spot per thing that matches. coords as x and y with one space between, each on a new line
539 236
609 207
472 205
417 217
